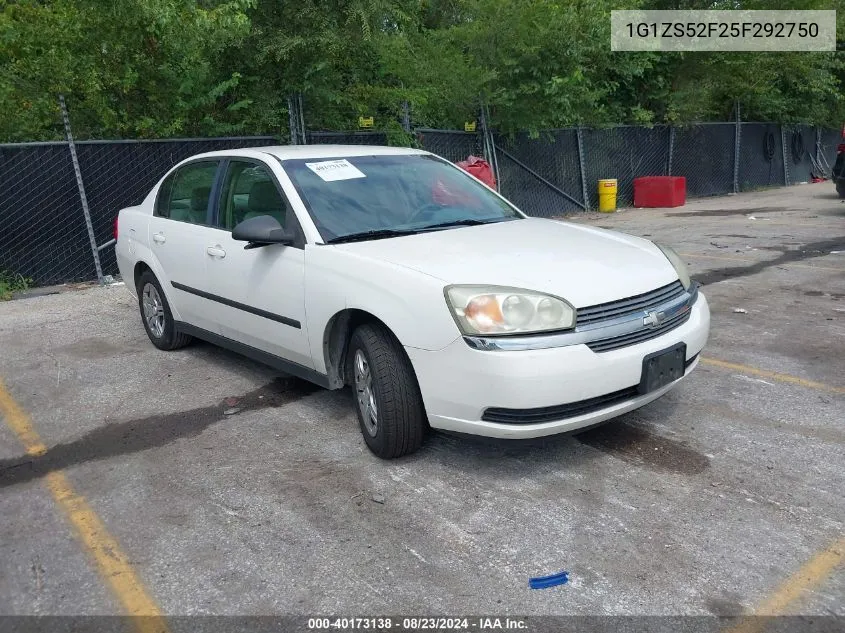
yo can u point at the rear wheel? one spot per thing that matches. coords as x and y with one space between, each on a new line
386 394
840 188
156 315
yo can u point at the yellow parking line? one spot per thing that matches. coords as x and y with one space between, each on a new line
817 225
112 563
795 380
811 575
749 260
18 421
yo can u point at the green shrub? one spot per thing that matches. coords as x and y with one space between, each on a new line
12 282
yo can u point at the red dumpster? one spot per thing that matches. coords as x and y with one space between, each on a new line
660 191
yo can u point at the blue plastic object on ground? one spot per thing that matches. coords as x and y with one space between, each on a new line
544 582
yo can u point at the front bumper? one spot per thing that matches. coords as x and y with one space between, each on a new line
458 383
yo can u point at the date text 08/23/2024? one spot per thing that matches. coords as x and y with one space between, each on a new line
418 623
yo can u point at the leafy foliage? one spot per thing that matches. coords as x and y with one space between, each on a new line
12 282
159 68
138 68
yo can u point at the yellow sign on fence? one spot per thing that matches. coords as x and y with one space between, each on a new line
469 126
365 121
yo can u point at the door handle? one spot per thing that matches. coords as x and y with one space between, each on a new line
215 251
159 238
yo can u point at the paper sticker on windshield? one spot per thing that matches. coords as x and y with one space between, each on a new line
331 170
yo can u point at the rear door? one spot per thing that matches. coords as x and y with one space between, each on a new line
180 229
260 292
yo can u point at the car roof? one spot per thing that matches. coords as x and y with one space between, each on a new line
284 152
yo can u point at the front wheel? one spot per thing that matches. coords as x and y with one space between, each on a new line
386 394
156 315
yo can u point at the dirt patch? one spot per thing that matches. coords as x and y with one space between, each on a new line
133 436
723 607
638 445
95 348
788 255
835 296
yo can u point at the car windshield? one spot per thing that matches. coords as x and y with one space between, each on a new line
384 196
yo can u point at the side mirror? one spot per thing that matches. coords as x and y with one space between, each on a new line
262 230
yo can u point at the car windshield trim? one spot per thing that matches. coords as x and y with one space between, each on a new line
389 195
387 233
371 235
459 223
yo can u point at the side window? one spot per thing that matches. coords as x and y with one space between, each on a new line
163 197
249 191
189 193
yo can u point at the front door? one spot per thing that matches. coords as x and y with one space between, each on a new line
261 291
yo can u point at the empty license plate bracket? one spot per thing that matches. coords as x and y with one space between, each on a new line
662 368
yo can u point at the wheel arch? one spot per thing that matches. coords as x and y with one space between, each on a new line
140 268
336 336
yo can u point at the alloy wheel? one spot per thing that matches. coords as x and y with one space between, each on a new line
153 310
365 393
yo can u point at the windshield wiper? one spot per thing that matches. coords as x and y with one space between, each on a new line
383 233
465 222
371 235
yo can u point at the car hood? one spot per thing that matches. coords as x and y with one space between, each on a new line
581 264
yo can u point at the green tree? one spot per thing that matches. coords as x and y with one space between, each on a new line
157 68
127 68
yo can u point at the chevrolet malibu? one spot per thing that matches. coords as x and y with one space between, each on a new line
395 272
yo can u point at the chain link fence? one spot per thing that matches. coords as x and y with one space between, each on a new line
453 145
543 174
829 140
760 156
624 153
800 141
44 235
551 175
704 155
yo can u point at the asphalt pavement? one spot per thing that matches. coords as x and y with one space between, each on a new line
230 489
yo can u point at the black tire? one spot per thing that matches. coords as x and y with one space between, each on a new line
840 188
169 338
401 420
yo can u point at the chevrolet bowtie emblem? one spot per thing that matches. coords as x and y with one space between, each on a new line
653 319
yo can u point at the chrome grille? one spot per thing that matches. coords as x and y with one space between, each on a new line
638 336
626 307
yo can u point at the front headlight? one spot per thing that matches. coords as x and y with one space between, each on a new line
503 310
678 263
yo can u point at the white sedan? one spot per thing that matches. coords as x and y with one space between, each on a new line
395 272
